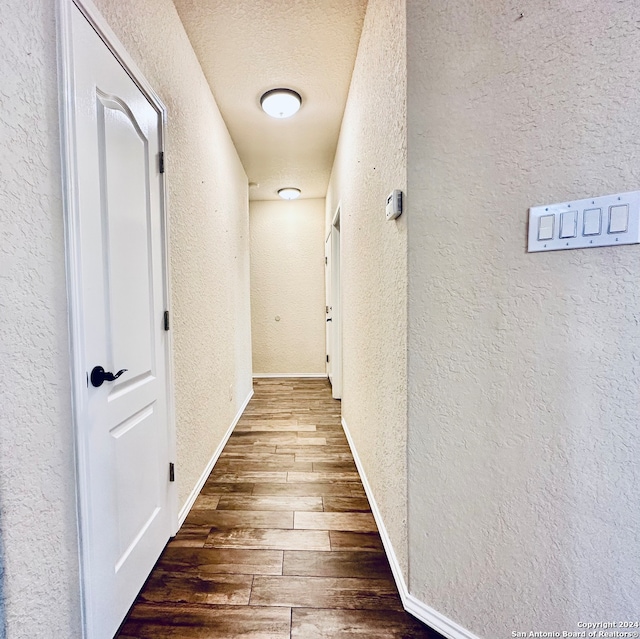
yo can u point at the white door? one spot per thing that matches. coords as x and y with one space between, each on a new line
336 308
328 309
122 425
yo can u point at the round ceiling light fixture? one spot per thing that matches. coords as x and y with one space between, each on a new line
289 193
280 103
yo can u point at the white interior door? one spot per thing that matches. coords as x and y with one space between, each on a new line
328 309
336 306
123 424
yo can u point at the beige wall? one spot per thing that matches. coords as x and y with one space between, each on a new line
287 281
210 297
524 400
37 502
371 162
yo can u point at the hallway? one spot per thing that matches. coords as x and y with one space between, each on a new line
281 542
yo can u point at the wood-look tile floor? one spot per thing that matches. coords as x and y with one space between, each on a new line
281 542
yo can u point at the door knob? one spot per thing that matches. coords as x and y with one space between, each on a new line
99 376
330 320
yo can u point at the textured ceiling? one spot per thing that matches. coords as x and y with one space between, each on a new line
247 47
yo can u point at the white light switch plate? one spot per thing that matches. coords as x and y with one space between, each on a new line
588 234
394 205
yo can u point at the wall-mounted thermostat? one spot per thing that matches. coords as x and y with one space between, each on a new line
607 220
394 204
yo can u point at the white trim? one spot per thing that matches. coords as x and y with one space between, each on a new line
434 619
97 21
386 540
170 368
336 216
72 268
411 604
184 511
327 301
337 349
287 375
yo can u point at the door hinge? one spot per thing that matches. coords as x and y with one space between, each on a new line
172 471
166 320
327 359
161 161
326 261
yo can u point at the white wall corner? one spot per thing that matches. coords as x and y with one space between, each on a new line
411 604
184 511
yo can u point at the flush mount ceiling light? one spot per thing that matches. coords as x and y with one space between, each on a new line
289 193
280 103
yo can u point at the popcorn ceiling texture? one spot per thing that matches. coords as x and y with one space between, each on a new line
287 281
209 255
524 401
370 163
249 46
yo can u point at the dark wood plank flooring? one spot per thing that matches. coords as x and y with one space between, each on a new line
281 542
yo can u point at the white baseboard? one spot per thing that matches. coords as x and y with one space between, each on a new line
411 604
275 375
386 540
184 511
435 620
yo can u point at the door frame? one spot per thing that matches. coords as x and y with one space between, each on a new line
336 304
71 215
328 307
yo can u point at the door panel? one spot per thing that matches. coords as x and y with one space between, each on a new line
124 170
138 493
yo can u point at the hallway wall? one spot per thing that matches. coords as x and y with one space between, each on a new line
37 500
370 162
209 255
524 400
287 281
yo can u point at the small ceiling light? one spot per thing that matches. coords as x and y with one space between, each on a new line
280 103
289 193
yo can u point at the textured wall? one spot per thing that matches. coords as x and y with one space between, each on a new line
210 297
37 503
287 280
524 401
370 163
3 625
